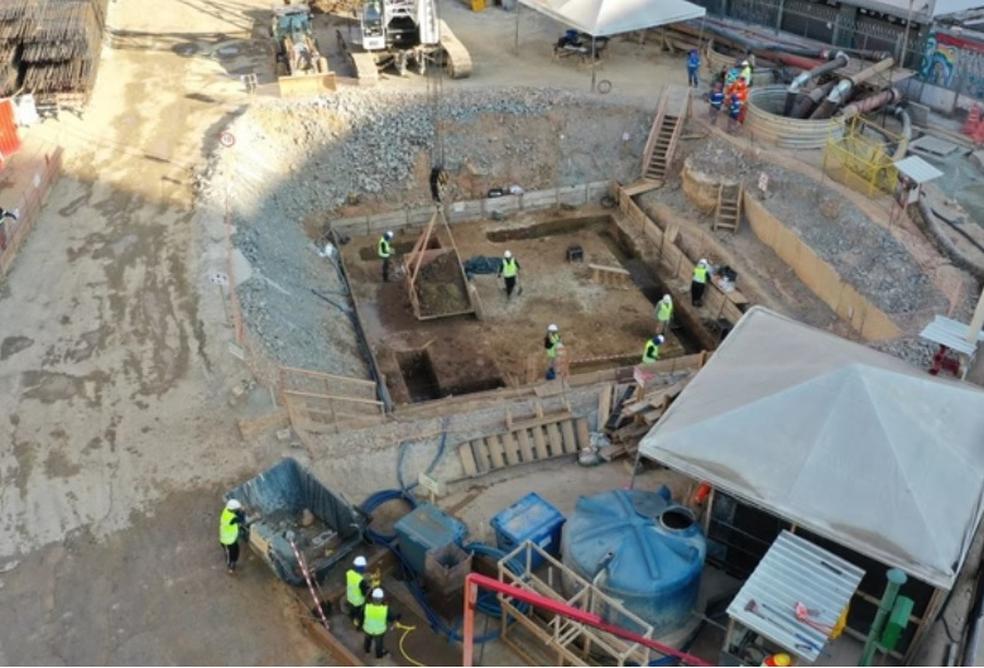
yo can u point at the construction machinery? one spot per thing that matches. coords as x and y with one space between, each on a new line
301 69
402 34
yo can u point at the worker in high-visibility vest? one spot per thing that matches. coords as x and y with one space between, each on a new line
384 249
552 344
509 270
664 313
376 620
231 521
356 589
651 352
699 283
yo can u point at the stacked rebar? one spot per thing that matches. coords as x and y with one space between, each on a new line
50 47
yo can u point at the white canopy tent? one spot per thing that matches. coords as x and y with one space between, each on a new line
853 445
602 18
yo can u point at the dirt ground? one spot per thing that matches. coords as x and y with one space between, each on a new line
596 321
116 383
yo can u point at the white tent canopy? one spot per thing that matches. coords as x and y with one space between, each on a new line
601 18
852 444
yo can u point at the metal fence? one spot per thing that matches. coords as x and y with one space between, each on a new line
861 162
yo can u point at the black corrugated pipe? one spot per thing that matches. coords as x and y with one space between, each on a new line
837 61
714 26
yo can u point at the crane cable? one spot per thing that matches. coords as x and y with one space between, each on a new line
435 91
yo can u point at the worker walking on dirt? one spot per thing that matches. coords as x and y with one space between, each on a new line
376 621
231 522
385 250
664 312
509 270
552 344
693 68
651 352
716 100
699 283
356 590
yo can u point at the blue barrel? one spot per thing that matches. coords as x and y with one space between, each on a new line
650 549
426 528
531 518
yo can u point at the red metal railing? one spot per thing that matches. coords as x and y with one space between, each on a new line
474 581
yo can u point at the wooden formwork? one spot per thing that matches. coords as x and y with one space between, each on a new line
325 403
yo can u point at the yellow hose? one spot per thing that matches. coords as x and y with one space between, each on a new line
406 631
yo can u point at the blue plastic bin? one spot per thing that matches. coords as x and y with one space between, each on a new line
426 528
531 518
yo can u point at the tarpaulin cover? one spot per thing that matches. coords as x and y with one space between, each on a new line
853 444
612 17
288 488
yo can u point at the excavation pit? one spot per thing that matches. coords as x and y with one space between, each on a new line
604 306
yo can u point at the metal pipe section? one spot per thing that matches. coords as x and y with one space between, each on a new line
765 122
805 104
906 121
870 103
843 89
896 579
838 61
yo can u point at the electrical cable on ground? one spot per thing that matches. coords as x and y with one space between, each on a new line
407 630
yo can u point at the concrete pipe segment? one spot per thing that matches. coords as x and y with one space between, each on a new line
765 122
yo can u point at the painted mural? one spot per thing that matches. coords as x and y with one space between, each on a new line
955 63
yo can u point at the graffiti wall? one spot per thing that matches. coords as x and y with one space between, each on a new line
955 63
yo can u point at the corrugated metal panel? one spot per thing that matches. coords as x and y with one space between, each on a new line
950 333
918 169
795 570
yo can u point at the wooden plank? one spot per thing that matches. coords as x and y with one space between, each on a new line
495 451
554 440
321 374
468 460
541 421
540 443
510 450
583 434
525 449
482 459
604 405
330 397
570 440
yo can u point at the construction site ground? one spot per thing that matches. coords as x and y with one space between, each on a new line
119 390
596 320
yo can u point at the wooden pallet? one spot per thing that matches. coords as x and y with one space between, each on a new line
611 276
727 213
527 441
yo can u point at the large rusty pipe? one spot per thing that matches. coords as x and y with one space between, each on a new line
838 61
870 103
806 103
842 91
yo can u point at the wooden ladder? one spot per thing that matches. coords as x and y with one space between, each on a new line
727 214
665 133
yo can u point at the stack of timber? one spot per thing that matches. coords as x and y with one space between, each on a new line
51 49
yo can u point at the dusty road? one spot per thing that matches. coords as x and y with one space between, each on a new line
115 375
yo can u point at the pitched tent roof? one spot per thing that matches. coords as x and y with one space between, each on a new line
611 17
852 444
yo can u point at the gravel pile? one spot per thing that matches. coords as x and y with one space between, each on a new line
296 162
863 252
914 350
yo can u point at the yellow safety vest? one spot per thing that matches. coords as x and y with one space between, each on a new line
509 268
747 73
353 587
374 622
228 532
651 353
700 274
552 350
384 249
665 311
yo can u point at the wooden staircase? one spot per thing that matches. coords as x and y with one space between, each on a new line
727 214
665 134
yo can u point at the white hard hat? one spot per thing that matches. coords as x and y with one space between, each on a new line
659 339
667 298
377 594
232 504
360 561
507 254
744 62
702 262
552 328
389 234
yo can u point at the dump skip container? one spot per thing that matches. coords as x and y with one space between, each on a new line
531 518
427 528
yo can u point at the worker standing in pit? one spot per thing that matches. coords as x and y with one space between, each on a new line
693 68
385 250
664 312
699 283
716 100
552 344
356 590
376 621
509 270
231 521
651 352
